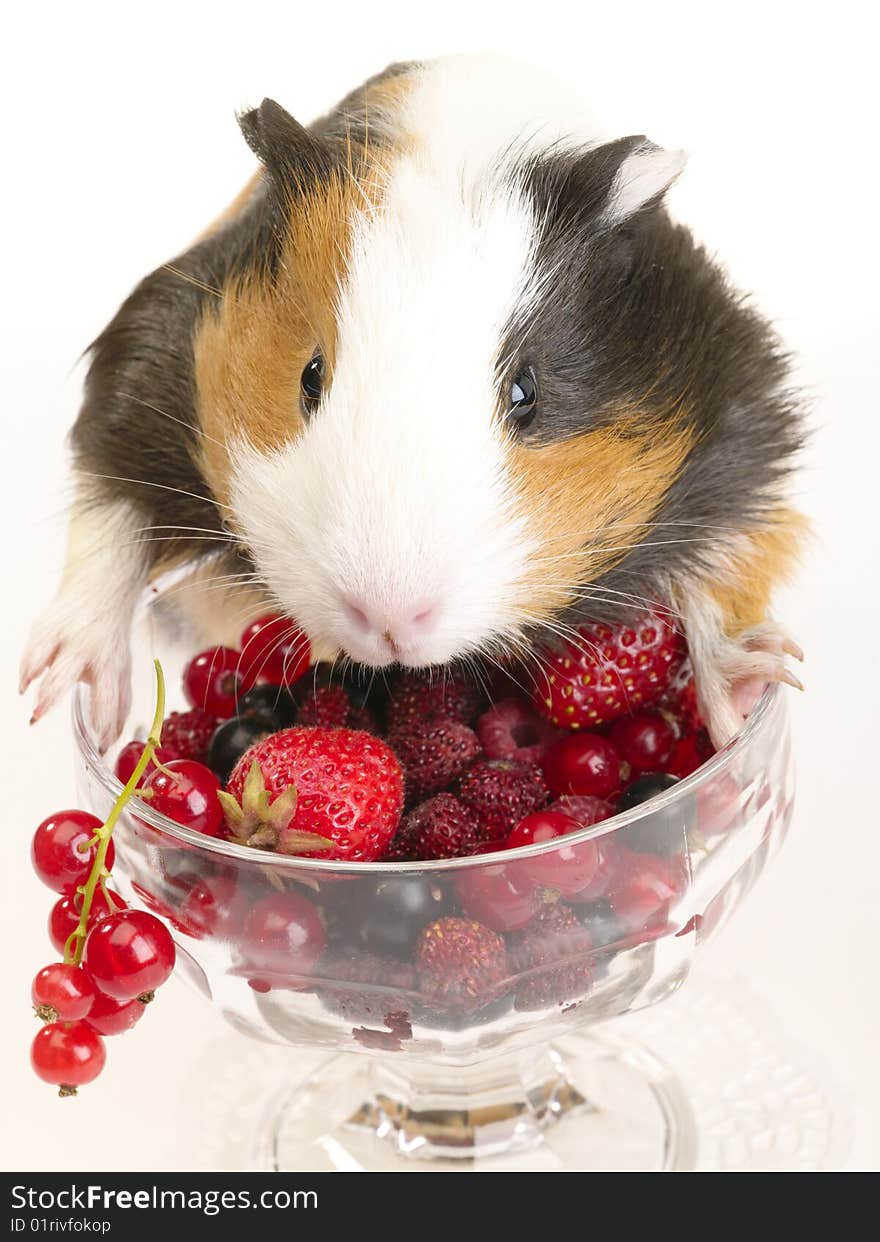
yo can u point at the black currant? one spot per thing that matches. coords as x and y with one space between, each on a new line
231 739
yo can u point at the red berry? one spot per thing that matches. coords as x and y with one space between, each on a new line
327 707
434 753
462 965
214 680
512 730
68 1055
64 915
56 854
501 896
584 808
417 696
680 698
275 650
643 741
187 793
349 790
283 938
643 888
130 755
64 991
553 953
609 672
442 827
129 954
114 1017
212 907
188 734
582 763
373 1001
568 868
688 754
501 793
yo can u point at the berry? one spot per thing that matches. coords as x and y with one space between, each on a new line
643 889
283 936
608 672
568 868
603 925
327 706
417 696
501 793
582 763
390 915
274 706
129 954
68 1055
189 734
502 897
442 827
512 730
461 964
274 649
689 753
362 987
583 808
340 785
64 915
214 679
113 1017
130 755
608 863
433 753
64 991
680 699
231 739
553 953
663 831
186 792
643 741
212 907
60 852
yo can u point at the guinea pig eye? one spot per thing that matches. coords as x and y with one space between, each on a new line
312 384
523 399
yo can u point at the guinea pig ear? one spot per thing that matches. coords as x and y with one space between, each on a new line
290 154
643 176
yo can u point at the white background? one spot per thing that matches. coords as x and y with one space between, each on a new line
119 144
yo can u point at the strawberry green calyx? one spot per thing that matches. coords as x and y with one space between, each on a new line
263 825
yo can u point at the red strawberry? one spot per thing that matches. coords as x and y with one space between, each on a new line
680 699
189 734
328 707
336 785
512 730
442 827
462 965
433 753
610 673
419 695
554 950
501 793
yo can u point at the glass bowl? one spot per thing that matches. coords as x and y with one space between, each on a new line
492 1048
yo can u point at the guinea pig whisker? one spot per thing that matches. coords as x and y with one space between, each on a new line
180 421
165 487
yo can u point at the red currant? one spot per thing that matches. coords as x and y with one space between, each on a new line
64 915
282 936
501 897
129 757
186 792
568 868
114 1017
129 954
210 908
582 763
64 991
214 680
608 863
644 741
275 650
68 1055
60 852
688 754
643 888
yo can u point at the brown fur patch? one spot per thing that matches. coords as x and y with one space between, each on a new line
765 560
587 500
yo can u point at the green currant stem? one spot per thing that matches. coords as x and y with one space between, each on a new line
74 948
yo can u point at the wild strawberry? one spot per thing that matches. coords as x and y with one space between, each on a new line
433 753
608 673
501 793
419 695
553 953
327 707
512 730
461 965
442 827
326 785
189 733
364 987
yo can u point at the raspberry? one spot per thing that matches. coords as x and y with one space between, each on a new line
511 730
553 953
501 793
328 708
189 734
462 965
433 754
418 695
584 808
610 673
442 827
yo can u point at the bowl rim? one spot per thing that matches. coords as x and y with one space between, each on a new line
770 700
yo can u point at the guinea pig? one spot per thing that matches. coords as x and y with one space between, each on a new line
445 380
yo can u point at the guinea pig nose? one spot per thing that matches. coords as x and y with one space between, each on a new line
394 625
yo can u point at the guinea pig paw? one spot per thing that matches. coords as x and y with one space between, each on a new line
743 670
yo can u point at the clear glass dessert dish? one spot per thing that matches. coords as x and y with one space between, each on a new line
495 1047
